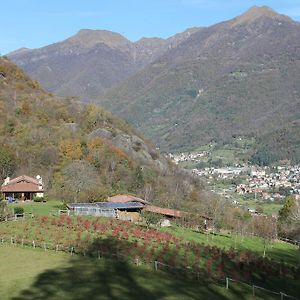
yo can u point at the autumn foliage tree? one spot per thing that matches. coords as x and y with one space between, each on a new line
70 149
7 162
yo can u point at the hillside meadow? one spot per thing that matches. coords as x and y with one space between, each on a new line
36 274
183 255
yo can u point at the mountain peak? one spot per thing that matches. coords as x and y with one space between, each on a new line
256 12
19 51
89 38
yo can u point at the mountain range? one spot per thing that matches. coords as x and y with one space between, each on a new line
92 61
236 78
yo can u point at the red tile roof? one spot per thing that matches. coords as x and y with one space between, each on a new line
23 178
126 198
22 184
170 212
165 211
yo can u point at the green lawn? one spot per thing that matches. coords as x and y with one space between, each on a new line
28 274
39 208
268 208
279 251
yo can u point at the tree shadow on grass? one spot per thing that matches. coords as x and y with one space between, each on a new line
109 278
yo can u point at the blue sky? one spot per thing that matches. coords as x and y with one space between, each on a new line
36 23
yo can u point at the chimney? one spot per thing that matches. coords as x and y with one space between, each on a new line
6 180
39 179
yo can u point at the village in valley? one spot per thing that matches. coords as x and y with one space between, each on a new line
262 184
158 161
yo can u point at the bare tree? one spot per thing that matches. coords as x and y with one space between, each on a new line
295 215
266 228
79 177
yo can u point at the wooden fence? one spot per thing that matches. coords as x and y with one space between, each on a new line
256 288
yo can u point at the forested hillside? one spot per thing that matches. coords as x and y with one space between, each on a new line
236 78
82 152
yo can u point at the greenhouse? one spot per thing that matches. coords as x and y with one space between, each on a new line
104 209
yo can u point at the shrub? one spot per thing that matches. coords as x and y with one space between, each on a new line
18 210
38 199
62 206
3 210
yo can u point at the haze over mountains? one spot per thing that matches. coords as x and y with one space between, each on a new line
92 61
239 77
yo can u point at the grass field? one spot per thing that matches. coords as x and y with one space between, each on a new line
279 251
38 208
28 274
267 207
233 153
37 274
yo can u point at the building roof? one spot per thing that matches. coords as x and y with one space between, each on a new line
22 184
107 205
170 212
126 198
24 178
165 211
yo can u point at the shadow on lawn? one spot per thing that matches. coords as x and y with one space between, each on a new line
92 278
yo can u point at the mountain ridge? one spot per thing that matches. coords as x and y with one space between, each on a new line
90 62
237 77
225 80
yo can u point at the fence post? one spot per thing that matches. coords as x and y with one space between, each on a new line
56 248
155 265
45 246
33 244
22 242
253 290
72 248
281 295
227 283
11 240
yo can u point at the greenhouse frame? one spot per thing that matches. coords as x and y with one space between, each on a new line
104 209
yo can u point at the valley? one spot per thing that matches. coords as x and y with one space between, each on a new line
151 167
204 85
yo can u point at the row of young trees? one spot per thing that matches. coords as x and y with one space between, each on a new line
221 216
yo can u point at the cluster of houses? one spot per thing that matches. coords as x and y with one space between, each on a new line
185 157
265 181
222 173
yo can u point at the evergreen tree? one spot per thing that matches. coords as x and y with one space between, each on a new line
287 209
